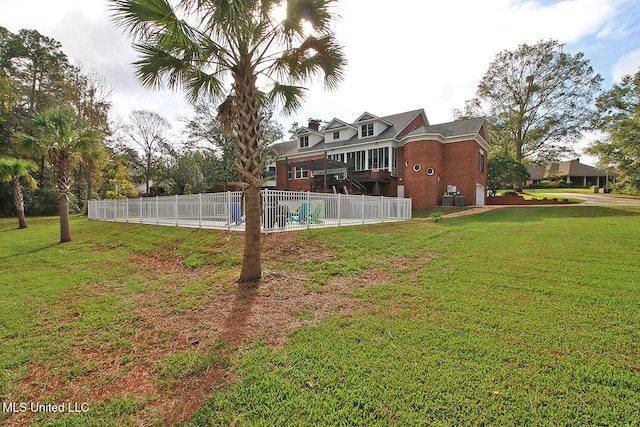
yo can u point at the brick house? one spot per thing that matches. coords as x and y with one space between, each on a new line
398 155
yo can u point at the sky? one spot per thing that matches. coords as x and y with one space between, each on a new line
402 54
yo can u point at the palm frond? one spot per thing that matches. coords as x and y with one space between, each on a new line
156 63
287 97
315 12
139 17
314 57
200 84
227 113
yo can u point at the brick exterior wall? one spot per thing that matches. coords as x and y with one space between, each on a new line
463 169
453 164
424 189
415 123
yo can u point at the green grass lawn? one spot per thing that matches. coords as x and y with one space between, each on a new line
511 317
578 191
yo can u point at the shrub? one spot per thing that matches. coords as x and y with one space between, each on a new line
44 202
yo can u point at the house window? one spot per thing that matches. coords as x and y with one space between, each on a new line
367 130
304 141
357 160
289 174
481 161
379 158
417 167
302 173
336 135
337 157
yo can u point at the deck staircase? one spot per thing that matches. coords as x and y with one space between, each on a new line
346 185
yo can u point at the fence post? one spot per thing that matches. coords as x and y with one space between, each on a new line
199 210
115 210
229 210
157 211
363 208
339 210
264 200
126 208
308 209
177 209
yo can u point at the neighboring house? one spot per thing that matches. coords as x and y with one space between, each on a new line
401 155
572 173
141 189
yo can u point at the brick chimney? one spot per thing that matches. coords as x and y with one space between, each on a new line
314 124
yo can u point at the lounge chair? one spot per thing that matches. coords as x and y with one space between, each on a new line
313 218
235 214
301 214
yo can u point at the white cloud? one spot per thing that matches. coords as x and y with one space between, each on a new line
407 54
627 65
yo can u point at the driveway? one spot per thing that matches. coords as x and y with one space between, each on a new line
598 200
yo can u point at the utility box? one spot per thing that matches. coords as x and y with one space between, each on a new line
447 200
461 201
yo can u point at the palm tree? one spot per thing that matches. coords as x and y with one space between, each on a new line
17 171
238 54
64 138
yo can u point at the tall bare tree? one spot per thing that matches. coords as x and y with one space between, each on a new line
147 131
237 53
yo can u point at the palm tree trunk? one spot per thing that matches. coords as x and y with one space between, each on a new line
63 211
89 168
250 165
18 201
252 254
63 179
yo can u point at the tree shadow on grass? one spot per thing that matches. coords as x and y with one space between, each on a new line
233 329
32 251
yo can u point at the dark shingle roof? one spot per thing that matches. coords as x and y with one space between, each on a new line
286 148
460 127
398 123
566 169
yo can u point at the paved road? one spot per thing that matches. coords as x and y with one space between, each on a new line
598 200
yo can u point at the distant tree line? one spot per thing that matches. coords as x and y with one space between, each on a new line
60 145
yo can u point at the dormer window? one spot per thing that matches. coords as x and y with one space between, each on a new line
367 130
336 134
304 141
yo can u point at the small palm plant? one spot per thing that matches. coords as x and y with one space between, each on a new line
18 171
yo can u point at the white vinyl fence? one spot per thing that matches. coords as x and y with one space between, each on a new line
282 210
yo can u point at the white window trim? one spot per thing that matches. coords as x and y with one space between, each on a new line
303 141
